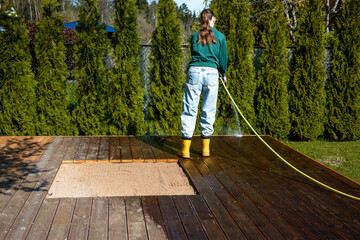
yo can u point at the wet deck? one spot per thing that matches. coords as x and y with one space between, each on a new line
245 192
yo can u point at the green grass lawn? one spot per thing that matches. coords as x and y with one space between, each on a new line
343 157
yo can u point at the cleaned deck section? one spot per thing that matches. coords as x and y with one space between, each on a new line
245 192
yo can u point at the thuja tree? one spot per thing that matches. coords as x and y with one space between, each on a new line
343 98
52 114
166 72
240 72
126 103
307 85
222 10
271 98
90 51
17 84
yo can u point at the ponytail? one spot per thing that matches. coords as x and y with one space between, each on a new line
206 35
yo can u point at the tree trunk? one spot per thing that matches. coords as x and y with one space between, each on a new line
327 16
329 13
289 7
30 10
37 14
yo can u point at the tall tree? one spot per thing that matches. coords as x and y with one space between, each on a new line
52 115
240 74
307 86
343 99
126 92
222 10
271 97
166 72
91 112
17 84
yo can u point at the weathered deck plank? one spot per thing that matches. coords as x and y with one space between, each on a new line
62 220
154 221
207 220
99 219
44 219
245 192
18 148
225 174
72 150
136 150
135 219
79 228
171 218
146 149
24 220
29 188
156 148
10 181
190 222
115 150
125 149
104 149
227 223
117 218
93 150
82 149
260 210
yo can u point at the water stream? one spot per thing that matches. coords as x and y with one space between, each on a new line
237 132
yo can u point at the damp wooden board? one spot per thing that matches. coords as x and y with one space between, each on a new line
244 192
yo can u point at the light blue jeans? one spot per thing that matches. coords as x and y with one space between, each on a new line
200 80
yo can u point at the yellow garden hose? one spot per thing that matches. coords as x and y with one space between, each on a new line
278 155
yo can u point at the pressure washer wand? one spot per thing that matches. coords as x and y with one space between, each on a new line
224 80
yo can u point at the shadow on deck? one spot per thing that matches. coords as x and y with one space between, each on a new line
245 192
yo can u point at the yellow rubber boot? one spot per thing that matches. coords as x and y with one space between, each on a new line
185 152
205 150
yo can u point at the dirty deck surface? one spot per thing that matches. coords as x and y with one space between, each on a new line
244 192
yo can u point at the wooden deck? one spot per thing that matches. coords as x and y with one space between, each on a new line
245 192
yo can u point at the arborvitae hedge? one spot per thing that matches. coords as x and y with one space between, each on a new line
307 86
126 102
166 73
91 112
17 84
222 10
271 97
240 73
53 117
343 98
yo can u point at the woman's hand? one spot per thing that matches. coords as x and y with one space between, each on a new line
225 81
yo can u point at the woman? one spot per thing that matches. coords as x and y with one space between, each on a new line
209 59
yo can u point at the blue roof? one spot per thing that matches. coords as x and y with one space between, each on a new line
72 25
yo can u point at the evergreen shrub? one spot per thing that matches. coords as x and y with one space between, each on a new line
91 113
307 85
53 117
271 97
343 98
17 84
126 103
166 72
240 73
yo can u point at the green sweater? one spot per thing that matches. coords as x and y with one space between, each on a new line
214 55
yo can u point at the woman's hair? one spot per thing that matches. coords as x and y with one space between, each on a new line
206 35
